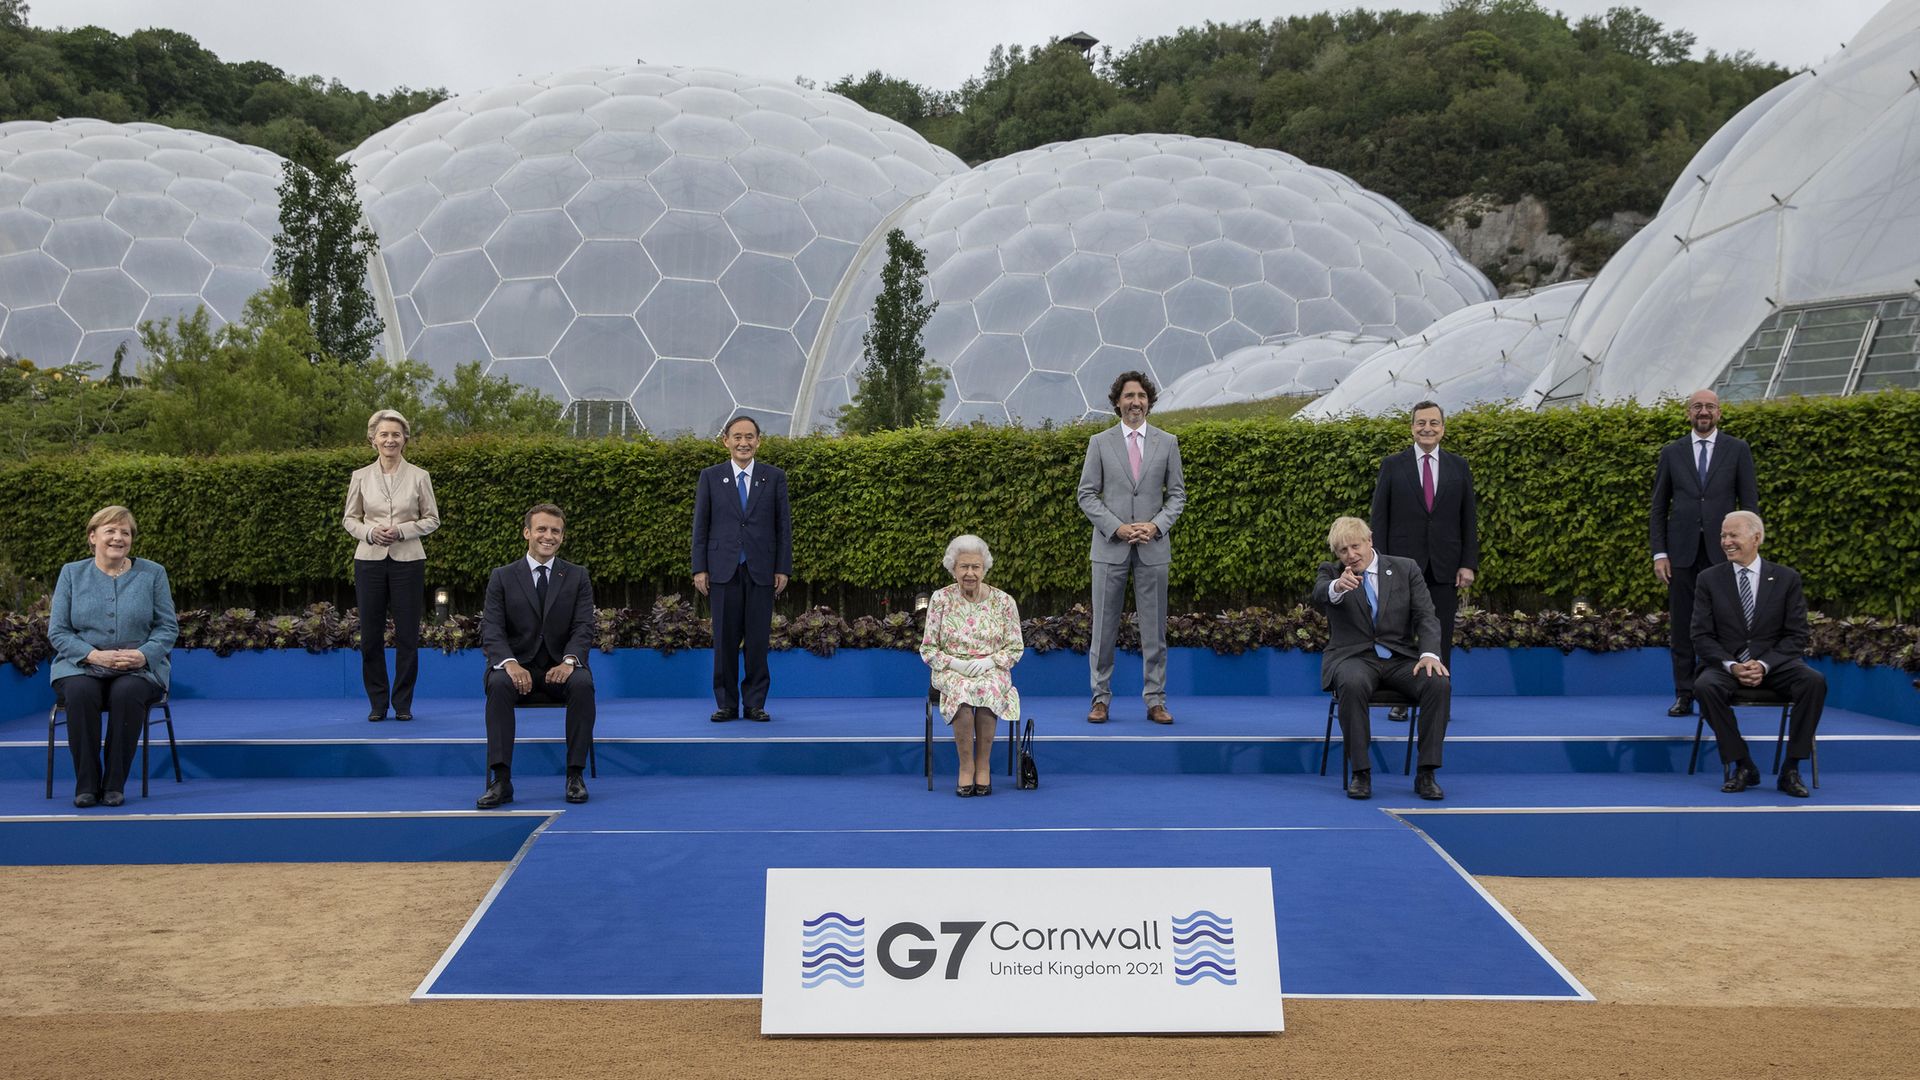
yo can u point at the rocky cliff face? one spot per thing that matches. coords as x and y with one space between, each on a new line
1512 244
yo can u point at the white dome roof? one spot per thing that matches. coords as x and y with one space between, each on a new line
661 235
1485 354
1060 267
1284 367
104 226
1816 198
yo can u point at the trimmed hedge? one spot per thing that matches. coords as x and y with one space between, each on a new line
1563 504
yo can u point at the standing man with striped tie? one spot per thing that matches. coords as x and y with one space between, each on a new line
1703 476
1750 630
742 558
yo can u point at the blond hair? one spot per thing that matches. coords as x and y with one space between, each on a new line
384 415
107 515
1346 530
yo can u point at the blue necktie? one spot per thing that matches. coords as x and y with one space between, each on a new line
1703 463
1373 602
740 481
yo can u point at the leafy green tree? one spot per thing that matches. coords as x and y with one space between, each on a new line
66 409
473 402
897 387
322 252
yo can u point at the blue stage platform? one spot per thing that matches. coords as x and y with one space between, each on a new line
654 887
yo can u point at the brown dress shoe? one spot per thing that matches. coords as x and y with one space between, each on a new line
1097 714
1159 714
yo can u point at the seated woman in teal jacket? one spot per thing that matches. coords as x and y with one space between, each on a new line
112 627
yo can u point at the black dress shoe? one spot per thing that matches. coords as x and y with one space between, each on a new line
760 715
498 793
85 799
1361 786
576 788
1789 783
1397 714
1742 776
965 791
1425 786
721 716
983 789
403 717
1682 706
376 717
115 798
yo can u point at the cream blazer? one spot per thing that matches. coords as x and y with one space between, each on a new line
409 508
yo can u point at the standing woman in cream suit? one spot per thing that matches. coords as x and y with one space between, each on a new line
389 508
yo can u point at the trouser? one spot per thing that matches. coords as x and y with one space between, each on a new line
1446 604
1680 583
382 587
1355 681
742 622
1802 685
1150 607
126 699
503 699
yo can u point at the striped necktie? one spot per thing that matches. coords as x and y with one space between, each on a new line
1746 605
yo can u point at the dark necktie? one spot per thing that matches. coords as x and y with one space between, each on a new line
1426 479
1746 605
540 587
1703 464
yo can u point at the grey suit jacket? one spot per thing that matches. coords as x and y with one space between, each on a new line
1405 623
1110 497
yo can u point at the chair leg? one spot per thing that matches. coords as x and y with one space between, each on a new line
1013 734
1326 742
593 761
1693 762
173 749
52 722
926 748
1780 743
146 748
1816 764
1413 725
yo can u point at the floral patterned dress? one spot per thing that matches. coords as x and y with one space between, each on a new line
961 629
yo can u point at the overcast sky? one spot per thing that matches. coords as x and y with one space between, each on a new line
467 45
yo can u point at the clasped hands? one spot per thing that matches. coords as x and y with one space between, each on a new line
971 668
117 659
1748 673
1140 532
523 679
384 535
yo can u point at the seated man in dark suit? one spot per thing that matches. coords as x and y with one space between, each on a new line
535 632
1383 633
1750 630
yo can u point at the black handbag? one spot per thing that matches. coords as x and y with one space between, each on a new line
1029 772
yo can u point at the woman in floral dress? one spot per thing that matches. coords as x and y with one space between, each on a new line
971 642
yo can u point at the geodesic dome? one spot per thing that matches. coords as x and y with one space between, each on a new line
104 226
1283 367
1484 354
1057 268
669 237
1790 269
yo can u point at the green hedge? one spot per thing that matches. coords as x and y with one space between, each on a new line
1563 504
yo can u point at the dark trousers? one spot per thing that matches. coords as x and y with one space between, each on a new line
1446 604
742 621
1355 681
383 587
1680 613
126 699
502 699
1802 685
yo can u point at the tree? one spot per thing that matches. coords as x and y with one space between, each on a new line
473 401
322 252
897 387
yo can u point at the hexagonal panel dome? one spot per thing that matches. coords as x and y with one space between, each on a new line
1488 353
667 236
103 226
1283 367
1182 250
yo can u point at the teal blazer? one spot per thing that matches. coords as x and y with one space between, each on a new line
94 611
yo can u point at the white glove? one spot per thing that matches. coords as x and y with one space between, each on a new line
973 669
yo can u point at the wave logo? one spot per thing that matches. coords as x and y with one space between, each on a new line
833 948
1203 948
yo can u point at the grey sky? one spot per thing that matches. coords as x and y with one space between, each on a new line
469 45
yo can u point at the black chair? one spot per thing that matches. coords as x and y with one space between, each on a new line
1755 697
541 701
56 718
933 702
1382 698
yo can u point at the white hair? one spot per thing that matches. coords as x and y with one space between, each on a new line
384 415
1751 520
963 544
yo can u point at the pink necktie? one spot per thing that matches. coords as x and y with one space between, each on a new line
1133 454
1426 479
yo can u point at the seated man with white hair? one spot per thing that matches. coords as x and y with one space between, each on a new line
972 640
1750 630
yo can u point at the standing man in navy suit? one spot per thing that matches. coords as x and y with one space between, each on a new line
1703 477
1424 509
742 558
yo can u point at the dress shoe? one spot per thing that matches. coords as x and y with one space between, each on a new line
1097 714
376 717
115 798
1742 776
576 788
1682 706
983 789
1425 786
1789 783
759 715
85 799
1159 714
498 793
403 717
721 716
1361 786
965 791
1397 714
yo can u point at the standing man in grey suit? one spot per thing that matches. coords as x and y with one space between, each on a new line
1424 509
1382 632
1132 490
1703 476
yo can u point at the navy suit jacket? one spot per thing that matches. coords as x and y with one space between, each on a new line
1778 637
721 530
1442 541
512 624
1686 514
1405 623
